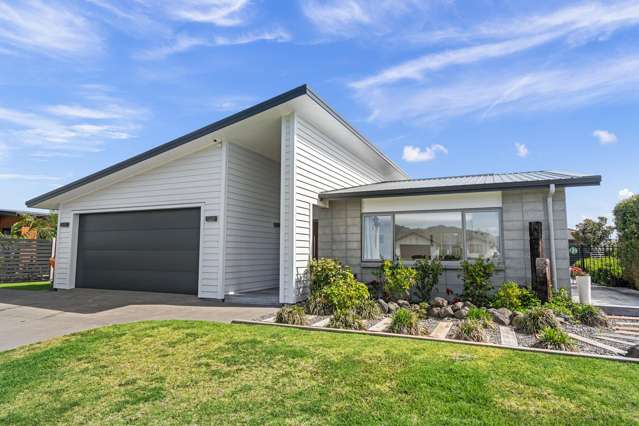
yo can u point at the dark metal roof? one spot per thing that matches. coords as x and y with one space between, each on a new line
483 182
225 122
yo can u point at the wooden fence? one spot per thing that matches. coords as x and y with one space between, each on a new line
24 260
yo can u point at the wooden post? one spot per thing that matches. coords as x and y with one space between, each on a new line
543 285
536 248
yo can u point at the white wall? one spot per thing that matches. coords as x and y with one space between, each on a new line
193 180
311 163
469 200
251 250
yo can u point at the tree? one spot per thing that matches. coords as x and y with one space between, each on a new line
31 227
593 233
627 220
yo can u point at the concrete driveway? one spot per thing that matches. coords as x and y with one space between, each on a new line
33 316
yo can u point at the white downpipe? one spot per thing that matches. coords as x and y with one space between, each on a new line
551 229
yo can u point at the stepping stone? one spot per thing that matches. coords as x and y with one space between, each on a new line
507 336
612 339
321 323
627 324
631 330
381 326
621 336
269 319
619 317
627 333
441 330
597 344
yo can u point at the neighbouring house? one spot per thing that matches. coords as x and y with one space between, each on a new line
239 207
9 217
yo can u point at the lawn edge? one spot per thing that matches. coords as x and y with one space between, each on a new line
434 339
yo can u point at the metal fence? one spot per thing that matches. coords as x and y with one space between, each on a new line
601 262
24 260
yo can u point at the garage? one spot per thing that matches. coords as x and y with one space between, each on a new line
150 250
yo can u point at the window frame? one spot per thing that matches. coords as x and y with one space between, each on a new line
445 263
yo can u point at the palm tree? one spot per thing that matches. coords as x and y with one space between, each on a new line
32 227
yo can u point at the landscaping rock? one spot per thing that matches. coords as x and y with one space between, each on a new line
434 312
515 319
633 352
392 307
403 303
383 305
462 313
469 305
439 302
457 306
446 312
501 315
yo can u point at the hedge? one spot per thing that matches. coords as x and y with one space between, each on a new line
627 222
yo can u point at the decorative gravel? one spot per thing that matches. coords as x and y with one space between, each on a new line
426 326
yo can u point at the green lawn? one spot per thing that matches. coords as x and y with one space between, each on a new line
34 285
177 372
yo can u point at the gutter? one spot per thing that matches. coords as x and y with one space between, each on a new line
551 229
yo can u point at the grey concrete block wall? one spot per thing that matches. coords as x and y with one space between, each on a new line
340 229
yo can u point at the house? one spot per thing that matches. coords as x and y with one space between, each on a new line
9 217
239 207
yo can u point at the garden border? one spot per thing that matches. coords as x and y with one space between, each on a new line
434 339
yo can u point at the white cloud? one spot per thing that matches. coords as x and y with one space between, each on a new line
414 153
20 176
494 93
231 102
336 16
46 28
277 35
223 13
605 137
522 150
625 193
105 113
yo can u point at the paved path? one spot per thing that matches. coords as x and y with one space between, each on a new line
613 300
33 316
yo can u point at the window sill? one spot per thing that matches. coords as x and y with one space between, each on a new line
447 265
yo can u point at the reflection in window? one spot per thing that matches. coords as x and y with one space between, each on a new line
377 237
482 234
428 236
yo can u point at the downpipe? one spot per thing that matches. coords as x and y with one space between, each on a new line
551 231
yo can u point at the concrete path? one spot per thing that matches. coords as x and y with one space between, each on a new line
33 316
613 300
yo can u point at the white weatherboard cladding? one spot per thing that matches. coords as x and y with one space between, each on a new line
469 200
190 181
311 163
251 251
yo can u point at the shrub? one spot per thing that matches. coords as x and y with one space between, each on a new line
323 272
477 277
590 315
481 315
470 330
397 278
552 338
561 303
510 295
404 321
343 293
317 304
603 270
346 320
421 310
535 320
626 214
367 309
427 277
291 314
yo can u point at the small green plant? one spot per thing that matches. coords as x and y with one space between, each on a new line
404 321
477 277
553 338
324 272
346 320
535 320
317 304
397 278
482 316
421 310
291 314
470 330
561 304
427 277
367 309
590 315
511 296
344 293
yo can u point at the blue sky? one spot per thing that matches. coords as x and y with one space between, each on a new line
443 87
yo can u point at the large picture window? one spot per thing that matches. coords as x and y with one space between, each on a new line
428 236
377 237
445 236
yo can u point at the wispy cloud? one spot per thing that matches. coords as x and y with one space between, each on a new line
105 113
20 176
231 102
46 28
521 150
605 137
415 154
223 13
183 43
494 93
625 193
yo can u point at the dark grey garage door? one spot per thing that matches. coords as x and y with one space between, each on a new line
153 250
